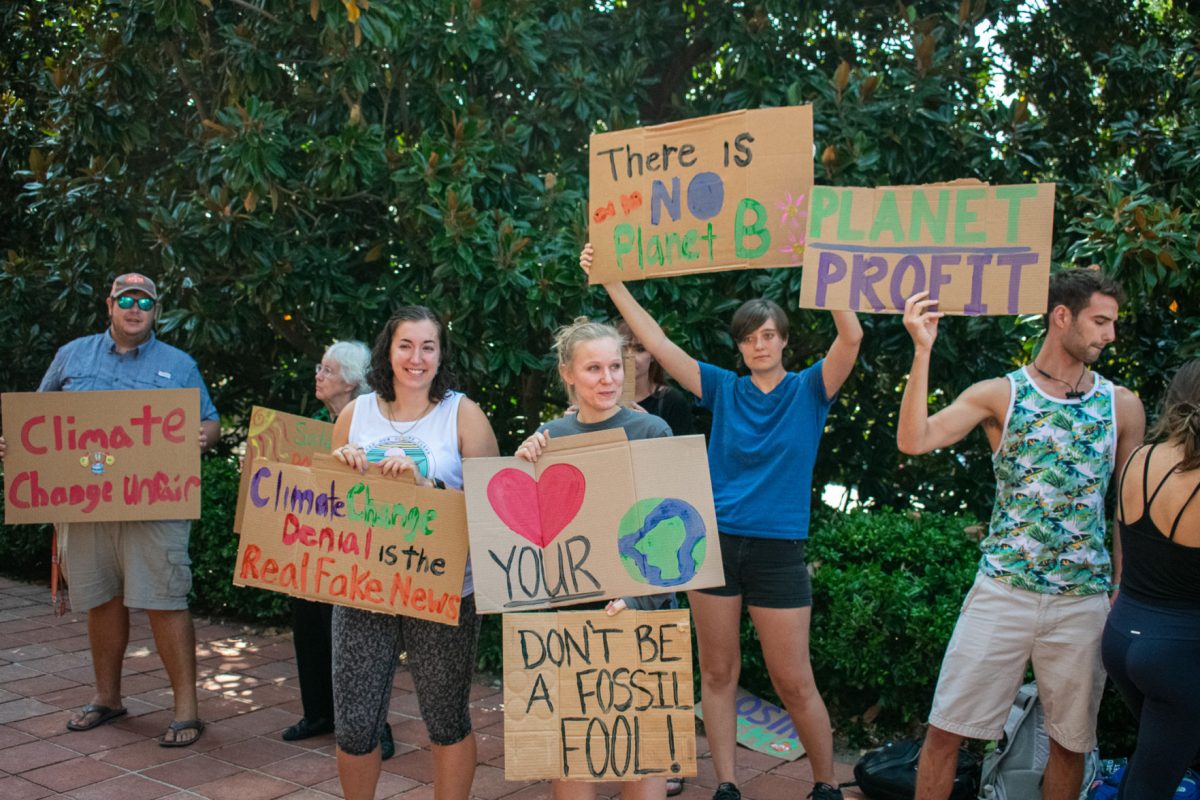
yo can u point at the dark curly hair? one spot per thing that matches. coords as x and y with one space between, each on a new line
380 376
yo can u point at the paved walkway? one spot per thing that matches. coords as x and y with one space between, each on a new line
248 694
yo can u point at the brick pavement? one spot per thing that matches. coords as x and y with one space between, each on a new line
248 694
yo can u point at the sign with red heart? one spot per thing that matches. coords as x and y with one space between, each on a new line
597 517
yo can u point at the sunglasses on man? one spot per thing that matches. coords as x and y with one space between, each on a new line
125 302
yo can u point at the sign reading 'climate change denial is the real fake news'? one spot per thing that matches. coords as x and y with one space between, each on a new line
101 456
976 249
325 533
728 191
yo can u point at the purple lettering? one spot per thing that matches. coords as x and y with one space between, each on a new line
830 269
867 271
1016 261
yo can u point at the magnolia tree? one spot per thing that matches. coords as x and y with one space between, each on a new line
291 170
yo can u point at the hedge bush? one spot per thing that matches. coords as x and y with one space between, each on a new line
887 588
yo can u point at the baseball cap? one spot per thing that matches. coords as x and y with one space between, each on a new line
133 282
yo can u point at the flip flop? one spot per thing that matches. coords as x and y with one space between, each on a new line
103 714
178 726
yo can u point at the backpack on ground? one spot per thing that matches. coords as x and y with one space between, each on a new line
1013 771
890 772
1109 786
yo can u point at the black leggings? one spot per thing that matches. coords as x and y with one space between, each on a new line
1151 654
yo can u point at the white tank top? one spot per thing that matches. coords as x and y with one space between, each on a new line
431 441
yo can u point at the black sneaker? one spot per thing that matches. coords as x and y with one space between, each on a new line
387 747
304 729
823 791
727 791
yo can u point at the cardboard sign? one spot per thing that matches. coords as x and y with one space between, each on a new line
597 517
326 533
286 438
975 248
101 456
764 727
629 387
728 191
593 697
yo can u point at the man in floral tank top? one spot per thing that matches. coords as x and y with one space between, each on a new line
1057 432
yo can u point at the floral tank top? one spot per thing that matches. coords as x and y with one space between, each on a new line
1052 471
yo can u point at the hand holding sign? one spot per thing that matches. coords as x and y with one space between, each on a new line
597 517
921 320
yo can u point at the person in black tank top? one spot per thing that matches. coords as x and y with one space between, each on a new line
1151 641
653 393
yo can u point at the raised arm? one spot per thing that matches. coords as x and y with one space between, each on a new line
916 431
678 364
843 353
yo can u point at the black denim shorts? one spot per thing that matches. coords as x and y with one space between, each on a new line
767 573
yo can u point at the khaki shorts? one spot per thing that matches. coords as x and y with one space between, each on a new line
146 562
1001 629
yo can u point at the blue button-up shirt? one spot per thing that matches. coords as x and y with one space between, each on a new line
92 363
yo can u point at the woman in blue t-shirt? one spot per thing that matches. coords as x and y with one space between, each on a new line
766 429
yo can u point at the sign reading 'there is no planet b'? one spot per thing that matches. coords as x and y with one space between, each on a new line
728 191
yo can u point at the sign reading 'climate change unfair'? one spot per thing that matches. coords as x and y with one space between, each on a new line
101 456
723 192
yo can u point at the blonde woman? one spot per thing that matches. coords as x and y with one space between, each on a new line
591 366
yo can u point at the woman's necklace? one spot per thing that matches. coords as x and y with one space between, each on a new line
405 432
1073 393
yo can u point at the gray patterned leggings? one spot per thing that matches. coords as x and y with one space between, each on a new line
366 648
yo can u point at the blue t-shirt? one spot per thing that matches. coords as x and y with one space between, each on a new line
762 450
92 363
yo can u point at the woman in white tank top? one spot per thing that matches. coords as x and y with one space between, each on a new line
413 422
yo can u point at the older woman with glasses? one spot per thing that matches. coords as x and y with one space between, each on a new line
341 376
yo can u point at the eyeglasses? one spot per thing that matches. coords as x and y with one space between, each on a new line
126 302
326 371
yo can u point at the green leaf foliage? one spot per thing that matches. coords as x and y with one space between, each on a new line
291 172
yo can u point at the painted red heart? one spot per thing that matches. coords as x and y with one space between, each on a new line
538 510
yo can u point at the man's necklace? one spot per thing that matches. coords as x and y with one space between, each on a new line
406 431
1074 393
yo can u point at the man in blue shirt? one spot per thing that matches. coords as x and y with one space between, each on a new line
114 566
